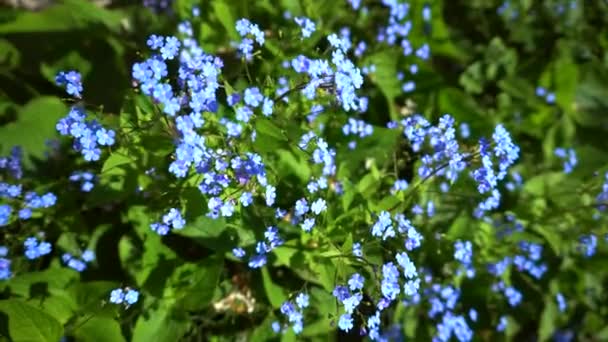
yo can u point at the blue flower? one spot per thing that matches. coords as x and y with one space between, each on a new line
318 206
117 296
561 302
356 282
132 296
72 81
307 25
270 195
346 322
302 300
171 47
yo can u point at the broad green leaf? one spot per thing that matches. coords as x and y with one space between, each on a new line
274 293
385 76
26 323
64 16
116 159
204 281
547 320
34 126
99 329
225 16
159 324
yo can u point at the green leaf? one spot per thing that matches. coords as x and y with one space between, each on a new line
211 233
9 54
35 124
116 159
27 323
99 329
547 320
159 325
224 15
385 76
275 293
204 280
65 16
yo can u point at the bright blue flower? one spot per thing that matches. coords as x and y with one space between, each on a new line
352 302
307 25
253 97
409 269
131 297
346 322
473 314
267 107
356 282
117 296
502 324
383 227
5 214
308 224
72 81
561 302
302 300
270 195
357 249
105 137
463 252
171 48
318 206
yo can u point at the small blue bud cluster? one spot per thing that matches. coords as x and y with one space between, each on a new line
463 252
548 96
78 264
5 264
588 245
357 127
262 248
568 155
85 178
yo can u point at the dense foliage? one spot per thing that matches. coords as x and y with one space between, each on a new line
304 170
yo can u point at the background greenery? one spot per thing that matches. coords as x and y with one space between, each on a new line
484 69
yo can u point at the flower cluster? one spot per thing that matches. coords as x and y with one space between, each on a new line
250 32
14 194
350 297
262 248
71 80
78 264
463 252
172 219
487 176
35 249
88 134
294 312
344 78
308 26
126 296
